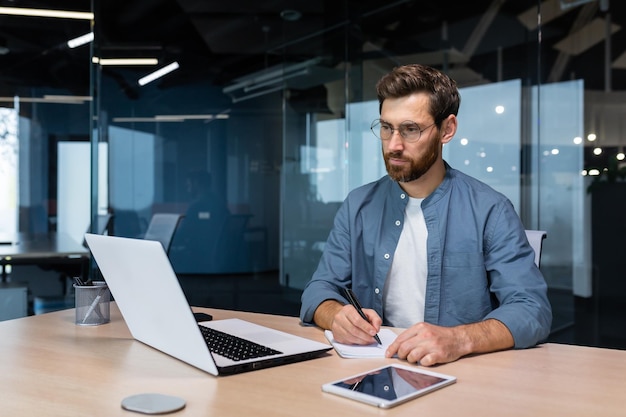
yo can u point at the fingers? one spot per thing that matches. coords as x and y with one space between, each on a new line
373 318
350 328
424 344
414 353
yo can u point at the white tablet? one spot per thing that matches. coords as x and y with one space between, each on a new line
389 385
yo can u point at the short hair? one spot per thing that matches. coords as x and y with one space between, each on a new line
408 79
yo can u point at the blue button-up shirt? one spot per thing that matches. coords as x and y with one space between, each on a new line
480 265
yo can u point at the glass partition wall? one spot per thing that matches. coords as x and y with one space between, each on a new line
262 126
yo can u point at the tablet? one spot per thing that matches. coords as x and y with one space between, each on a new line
389 385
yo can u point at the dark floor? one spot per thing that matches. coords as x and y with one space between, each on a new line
576 320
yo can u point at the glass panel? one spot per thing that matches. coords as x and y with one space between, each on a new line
488 141
44 101
561 190
196 153
9 149
500 139
274 102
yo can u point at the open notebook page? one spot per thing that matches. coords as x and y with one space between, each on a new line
387 336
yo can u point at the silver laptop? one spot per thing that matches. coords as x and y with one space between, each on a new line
147 292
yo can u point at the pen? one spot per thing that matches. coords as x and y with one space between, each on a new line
355 303
93 305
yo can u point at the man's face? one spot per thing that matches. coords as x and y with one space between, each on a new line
409 161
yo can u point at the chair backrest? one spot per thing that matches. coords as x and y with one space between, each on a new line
535 238
104 225
162 228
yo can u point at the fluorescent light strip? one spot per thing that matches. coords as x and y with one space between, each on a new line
158 73
205 116
124 61
63 14
81 40
55 97
133 119
48 99
171 118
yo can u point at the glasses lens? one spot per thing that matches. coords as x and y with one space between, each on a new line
410 131
381 130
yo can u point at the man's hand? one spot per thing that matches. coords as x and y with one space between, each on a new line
429 344
347 325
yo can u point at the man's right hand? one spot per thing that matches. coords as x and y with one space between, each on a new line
346 323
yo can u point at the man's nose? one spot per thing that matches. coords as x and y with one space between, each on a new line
396 141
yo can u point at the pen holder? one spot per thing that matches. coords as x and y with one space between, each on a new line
92 304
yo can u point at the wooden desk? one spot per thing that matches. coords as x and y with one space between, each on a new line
39 249
51 367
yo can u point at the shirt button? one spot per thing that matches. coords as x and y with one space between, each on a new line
386 388
376 290
403 196
387 256
398 223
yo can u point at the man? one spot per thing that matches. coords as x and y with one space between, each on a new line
427 248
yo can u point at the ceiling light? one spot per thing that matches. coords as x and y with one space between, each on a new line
158 73
172 118
81 40
20 11
57 97
51 99
124 61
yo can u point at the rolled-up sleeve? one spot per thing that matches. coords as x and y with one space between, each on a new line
516 281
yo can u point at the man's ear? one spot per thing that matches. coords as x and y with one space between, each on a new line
448 128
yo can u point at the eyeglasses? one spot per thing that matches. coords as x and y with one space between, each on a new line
409 131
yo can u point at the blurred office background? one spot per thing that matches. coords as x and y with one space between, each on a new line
261 128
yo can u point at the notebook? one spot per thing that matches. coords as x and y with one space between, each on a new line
155 309
387 336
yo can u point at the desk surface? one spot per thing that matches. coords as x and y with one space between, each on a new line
52 367
29 246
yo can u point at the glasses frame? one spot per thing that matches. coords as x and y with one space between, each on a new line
376 123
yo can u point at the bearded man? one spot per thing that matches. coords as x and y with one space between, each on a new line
427 248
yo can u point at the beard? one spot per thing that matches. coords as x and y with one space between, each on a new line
417 167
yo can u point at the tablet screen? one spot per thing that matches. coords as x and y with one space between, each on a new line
389 385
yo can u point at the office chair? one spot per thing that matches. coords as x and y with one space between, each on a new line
104 225
535 238
162 228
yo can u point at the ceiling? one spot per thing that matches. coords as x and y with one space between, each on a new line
221 41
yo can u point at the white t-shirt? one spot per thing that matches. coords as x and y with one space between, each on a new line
405 288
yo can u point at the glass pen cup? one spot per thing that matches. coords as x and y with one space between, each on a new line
92 304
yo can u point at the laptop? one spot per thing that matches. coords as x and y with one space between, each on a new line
155 309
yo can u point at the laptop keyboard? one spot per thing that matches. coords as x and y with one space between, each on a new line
233 347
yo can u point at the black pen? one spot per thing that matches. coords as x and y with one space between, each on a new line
355 303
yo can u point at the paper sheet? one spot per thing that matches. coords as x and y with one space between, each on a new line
387 336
